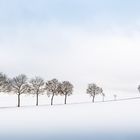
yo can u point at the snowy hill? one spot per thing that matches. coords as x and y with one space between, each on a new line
118 120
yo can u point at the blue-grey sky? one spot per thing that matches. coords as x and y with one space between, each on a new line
78 40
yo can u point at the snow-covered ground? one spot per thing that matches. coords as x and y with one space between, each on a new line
117 120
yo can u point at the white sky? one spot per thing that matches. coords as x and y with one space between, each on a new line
72 41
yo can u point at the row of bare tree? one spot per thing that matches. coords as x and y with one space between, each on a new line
20 85
36 86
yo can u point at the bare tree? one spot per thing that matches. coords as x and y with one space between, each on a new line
4 83
19 86
115 97
94 90
36 87
103 95
52 88
139 88
66 89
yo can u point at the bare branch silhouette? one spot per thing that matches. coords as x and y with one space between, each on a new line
66 89
19 86
94 90
52 88
36 87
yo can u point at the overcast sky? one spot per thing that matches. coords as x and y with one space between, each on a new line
83 41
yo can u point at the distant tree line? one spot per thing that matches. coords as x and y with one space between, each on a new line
38 86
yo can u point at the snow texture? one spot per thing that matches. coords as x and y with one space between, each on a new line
116 120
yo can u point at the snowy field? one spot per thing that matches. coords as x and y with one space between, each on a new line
117 120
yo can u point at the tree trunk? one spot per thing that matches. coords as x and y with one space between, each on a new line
103 99
52 99
18 100
93 99
65 99
37 99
